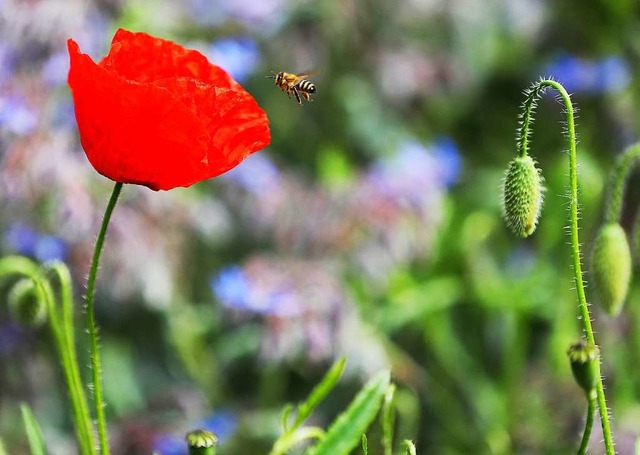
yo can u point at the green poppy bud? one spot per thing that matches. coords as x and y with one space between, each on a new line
24 305
522 194
584 357
201 442
611 267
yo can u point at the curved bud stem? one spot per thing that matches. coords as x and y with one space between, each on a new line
533 94
591 410
624 166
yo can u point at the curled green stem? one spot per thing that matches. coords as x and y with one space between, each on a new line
98 400
624 165
533 94
62 329
591 410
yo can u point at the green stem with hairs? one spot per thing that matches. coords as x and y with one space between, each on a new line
591 410
624 165
533 94
91 324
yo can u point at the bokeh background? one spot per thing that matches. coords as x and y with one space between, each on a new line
370 228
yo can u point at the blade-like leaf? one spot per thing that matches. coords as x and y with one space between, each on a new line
365 445
319 392
345 432
34 434
409 448
388 418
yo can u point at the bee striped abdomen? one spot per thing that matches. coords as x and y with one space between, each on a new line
307 86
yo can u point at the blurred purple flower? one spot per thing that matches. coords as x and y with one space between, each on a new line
238 56
16 117
55 69
49 248
7 62
223 423
21 239
266 14
409 175
257 174
606 75
167 444
10 337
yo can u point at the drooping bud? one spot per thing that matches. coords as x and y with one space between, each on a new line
611 267
24 305
522 194
584 357
201 442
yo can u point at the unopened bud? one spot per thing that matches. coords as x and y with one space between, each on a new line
201 442
584 357
522 194
611 267
25 306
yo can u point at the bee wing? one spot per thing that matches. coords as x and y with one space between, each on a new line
307 73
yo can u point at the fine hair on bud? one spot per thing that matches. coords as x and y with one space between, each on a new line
25 306
611 267
522 194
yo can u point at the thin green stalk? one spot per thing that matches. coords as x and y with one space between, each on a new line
591 410
537 90
91 324
625 163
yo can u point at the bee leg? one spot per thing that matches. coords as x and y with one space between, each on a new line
306 96
297 94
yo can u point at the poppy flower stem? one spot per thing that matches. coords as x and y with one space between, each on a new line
533 94
591 410
91 324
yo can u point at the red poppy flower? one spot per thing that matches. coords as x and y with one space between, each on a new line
156 114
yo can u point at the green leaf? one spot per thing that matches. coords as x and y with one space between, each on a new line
388 417
409 447
284 419
3 451
365 444
319 392
34 434
345 432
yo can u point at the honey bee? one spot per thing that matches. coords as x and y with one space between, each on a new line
295 84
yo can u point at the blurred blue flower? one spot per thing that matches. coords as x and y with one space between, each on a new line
264 16
449 160
606 75
22 239
63 115
55 69
238 56
167 444
231 287
16 117
257 174
237 291
49 248
223 423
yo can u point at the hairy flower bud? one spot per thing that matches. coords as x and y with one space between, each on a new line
611 267
522 192
201 442
25 306
584 357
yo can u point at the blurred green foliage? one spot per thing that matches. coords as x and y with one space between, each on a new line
474 327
